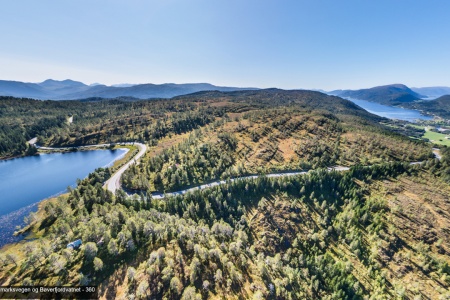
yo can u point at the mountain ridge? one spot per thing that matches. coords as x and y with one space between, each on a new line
439 107
71 90
432 91
392 94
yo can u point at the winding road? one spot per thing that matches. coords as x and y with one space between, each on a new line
215 183
113 184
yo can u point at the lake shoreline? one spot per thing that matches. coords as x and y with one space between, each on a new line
17 156
9 235
47 150
25 233
45 178
392 112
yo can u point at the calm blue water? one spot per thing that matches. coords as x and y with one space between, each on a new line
26 181
390 111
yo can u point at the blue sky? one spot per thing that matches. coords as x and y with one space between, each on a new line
311 44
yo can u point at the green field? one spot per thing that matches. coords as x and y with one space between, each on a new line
416 126
437 138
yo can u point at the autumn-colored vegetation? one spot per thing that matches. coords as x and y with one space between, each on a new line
376 231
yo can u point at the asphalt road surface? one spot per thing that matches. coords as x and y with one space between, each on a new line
113 184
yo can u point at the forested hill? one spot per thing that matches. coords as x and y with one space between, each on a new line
121 120
270 131
309 100
439 107
393 94
371 232
379 230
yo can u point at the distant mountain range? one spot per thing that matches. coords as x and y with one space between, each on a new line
69 90
393 94
433 92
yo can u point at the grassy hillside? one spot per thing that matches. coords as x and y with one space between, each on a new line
437 138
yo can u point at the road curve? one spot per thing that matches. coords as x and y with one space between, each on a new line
215 183
113 183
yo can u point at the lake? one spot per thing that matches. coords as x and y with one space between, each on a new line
27 180
390 111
